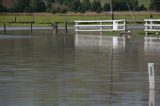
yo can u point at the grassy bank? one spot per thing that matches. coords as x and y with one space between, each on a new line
46 19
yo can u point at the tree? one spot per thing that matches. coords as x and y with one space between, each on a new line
85 5
2 9
58 8
37 6
75 6
19 5
50 3
155 5
106 7
142 8
121 5
133 4
95 6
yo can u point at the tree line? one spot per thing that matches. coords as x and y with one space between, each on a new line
63 6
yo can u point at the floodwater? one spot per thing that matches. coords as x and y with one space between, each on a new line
77 70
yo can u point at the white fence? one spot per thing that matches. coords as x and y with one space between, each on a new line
152 25
100 25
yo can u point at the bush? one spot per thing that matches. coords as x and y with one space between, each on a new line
27 9
63 10
142 8
99 10
53 11
106 7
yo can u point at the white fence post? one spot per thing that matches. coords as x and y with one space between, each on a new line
115 24
151 76
101 27
151 23
76 27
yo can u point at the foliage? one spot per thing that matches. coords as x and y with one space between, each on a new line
20 6
49 4
75 6
142 8
58 8
106 7
63 6
155 5
96 5
125 5
37 6
2 8
86 5
121 5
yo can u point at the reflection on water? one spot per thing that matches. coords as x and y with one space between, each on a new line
151 97
80 70
152 44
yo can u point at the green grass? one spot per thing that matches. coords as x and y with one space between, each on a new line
21 20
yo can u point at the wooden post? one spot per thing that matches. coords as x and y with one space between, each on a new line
15 19
31 27
125 25
65 25
33 19
56 27
151 76
5 27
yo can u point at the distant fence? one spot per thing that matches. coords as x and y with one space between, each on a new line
53 26
152 25
100 25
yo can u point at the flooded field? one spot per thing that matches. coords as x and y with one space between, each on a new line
77 70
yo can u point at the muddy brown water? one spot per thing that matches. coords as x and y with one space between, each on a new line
77 70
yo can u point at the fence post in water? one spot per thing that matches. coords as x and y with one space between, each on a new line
33 19
65 25
55 27
76 28
101 27
125 25
15 19
151 76
31 27
5 27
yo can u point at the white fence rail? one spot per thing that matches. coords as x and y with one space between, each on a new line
100 25
152 25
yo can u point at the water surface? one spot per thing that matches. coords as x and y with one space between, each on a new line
77 70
